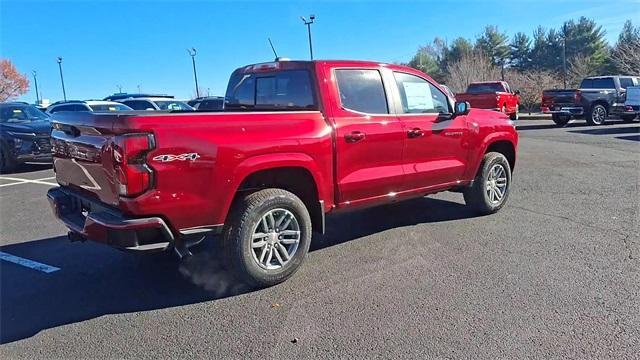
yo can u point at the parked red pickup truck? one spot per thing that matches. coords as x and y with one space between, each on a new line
296 140
494 95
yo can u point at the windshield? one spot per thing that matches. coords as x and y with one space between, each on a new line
484 88
172 105
109 107
21 113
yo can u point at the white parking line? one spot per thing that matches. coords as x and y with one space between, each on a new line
27 181
28 263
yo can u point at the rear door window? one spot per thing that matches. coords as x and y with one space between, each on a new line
362 90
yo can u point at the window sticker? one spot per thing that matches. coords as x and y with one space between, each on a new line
418 95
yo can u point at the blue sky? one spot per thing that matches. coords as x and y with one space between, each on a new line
131 43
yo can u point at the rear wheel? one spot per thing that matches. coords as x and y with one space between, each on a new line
628 118
490 188
267 237
561 120
597 115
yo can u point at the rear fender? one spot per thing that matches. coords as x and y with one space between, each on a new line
273 161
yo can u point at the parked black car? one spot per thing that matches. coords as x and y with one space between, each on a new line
25 135
208 103
596 99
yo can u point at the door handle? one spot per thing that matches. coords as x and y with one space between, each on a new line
354 136
415 132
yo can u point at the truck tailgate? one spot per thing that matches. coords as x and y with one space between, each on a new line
83 153
479 101
559 97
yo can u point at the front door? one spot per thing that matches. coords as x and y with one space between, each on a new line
435 151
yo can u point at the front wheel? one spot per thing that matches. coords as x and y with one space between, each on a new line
561 120
491 186
597 115
514 115
267 237
7 162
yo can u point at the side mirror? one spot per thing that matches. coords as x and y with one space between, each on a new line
462 108
517 92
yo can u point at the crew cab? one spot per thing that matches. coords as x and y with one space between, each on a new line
596 99
494 95
297 140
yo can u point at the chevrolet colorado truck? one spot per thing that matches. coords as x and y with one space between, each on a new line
296 140
595 100
494 95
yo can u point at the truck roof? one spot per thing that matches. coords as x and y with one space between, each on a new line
299 64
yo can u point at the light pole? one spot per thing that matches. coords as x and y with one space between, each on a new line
139 89
64 92
564 56
308 23
35 81
192 53
119 88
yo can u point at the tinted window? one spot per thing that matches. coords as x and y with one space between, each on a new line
278 90
20 113
484 88
603 83
420 96
109 107
211 105
139 104
626 82
362 90
70 107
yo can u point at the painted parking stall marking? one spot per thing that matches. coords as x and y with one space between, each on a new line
28 263
19 181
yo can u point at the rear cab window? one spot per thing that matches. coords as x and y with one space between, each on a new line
484 88
271 90
598 83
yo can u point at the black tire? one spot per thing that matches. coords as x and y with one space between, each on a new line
245 218
7 162
597 115
477 195
628 118
561 120
515 115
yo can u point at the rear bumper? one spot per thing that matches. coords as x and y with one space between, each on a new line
564 110
90 220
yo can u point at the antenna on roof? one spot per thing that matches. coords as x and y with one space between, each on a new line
273 49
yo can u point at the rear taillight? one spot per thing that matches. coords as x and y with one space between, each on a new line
133 175
577 97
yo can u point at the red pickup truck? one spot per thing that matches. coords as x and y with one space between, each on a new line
494 95
296 140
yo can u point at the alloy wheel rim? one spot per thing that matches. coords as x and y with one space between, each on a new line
275 239
598 115
496 185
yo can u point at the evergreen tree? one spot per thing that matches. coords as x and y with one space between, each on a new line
520 51
494 45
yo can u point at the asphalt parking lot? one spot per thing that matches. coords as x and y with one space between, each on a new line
556 273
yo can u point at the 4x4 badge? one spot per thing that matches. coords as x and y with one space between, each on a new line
181 157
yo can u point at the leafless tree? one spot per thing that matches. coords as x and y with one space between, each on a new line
471 67
626 57
531 83
579 68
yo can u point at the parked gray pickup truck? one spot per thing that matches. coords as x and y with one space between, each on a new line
596 99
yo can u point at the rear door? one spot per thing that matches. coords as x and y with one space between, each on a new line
369 139
435 150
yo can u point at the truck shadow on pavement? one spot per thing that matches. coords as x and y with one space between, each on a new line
95 280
